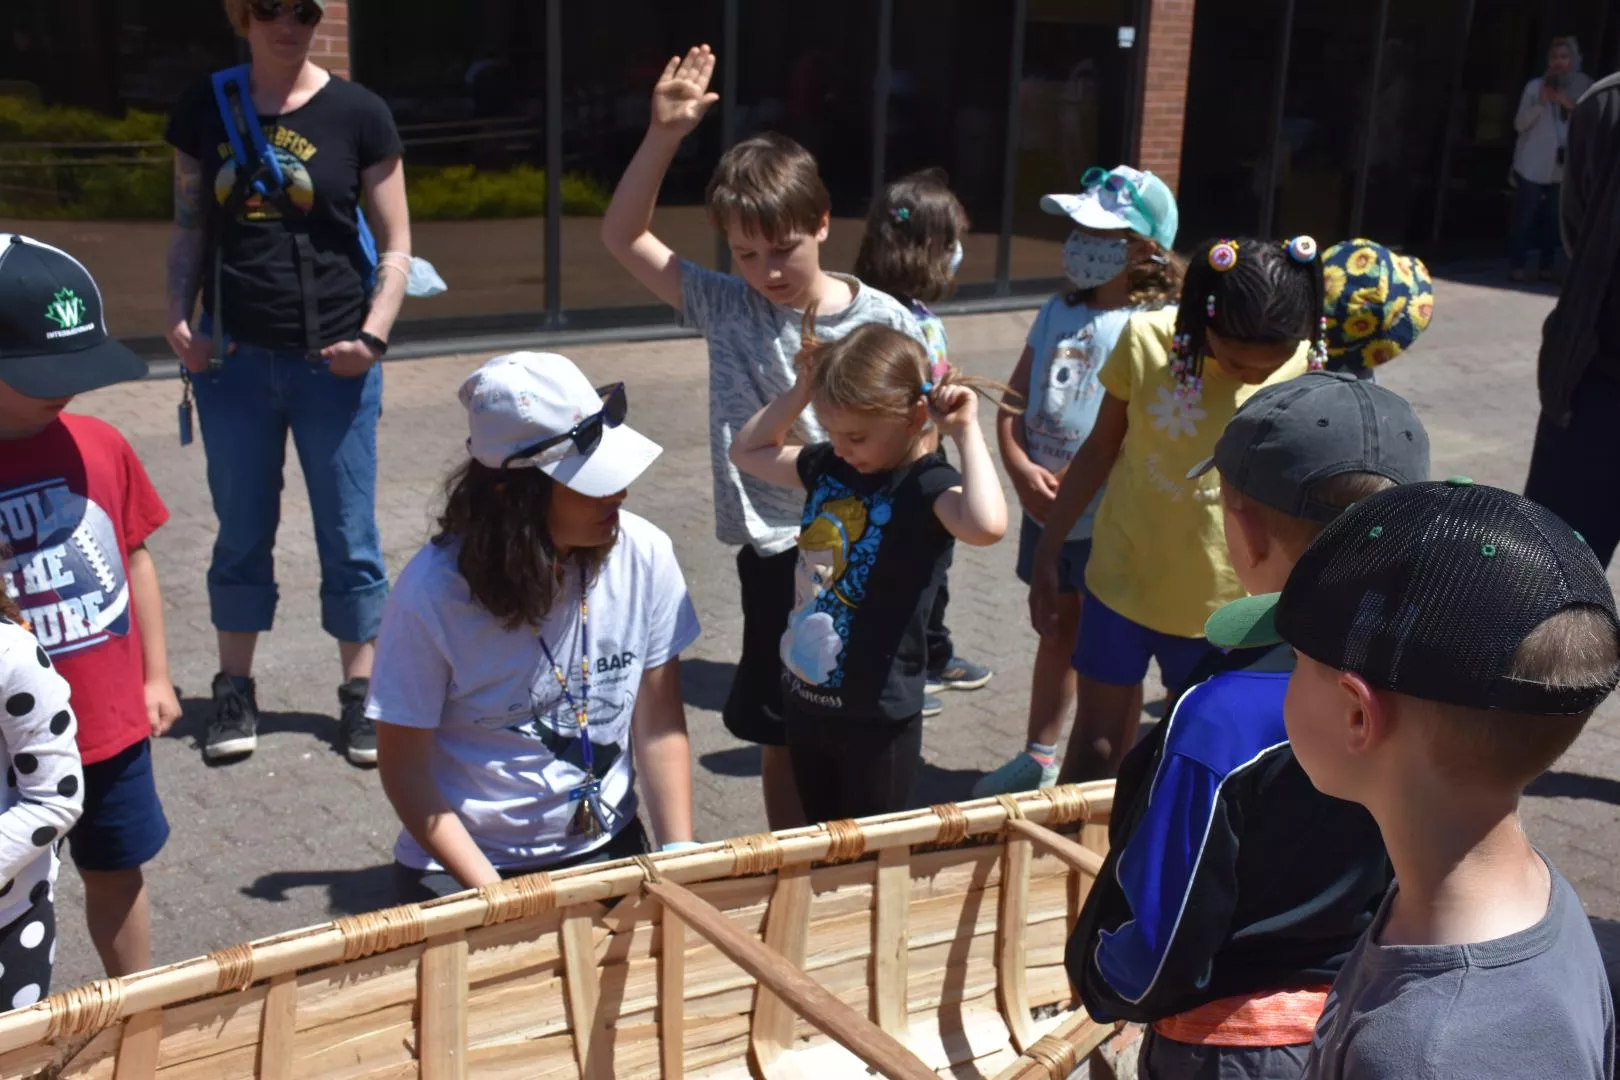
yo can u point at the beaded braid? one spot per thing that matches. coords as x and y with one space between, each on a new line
1242 285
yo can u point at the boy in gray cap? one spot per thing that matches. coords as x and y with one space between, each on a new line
1234 889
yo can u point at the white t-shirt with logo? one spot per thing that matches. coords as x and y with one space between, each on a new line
507 757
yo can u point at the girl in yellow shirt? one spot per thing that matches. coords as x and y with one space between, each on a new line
1250 315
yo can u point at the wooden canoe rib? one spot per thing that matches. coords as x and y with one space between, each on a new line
914 945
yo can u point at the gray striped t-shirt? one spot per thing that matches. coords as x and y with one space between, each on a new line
752 343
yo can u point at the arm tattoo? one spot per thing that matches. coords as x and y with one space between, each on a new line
188 193
184 271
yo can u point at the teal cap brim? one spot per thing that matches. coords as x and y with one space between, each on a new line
1245 624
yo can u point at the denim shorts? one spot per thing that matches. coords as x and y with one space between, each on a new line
1071 563
123 824
1112 649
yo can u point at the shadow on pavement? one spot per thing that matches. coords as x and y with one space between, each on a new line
736 761
348 892
1568 785
705 684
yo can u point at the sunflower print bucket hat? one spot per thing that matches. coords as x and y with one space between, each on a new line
1376 303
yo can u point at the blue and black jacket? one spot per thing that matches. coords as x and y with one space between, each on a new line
1229 873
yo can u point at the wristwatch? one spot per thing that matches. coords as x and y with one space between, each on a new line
372 342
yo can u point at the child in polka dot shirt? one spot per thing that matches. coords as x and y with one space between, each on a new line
42 798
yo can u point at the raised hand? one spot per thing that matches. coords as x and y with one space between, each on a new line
682 95
955 409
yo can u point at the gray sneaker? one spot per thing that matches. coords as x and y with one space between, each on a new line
233 725
932 706
958 674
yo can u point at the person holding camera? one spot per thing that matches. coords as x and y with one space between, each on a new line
1538 158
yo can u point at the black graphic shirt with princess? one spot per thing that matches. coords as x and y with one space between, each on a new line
872 556
323 147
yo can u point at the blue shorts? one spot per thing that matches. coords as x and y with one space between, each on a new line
123 824
1112 649
1071 564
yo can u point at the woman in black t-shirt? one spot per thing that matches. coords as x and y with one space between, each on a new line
285 278
882 507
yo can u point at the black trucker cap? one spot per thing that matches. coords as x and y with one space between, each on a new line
53 335
1428 590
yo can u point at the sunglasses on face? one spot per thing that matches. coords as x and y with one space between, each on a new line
588 432
304 12
1100 177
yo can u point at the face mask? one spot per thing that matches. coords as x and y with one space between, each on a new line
956 259
1089 261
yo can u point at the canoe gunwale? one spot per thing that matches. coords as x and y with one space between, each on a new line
90 1009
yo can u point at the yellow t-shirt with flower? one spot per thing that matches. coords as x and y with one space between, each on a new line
1158 547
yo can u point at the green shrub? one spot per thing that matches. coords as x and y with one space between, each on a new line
463 192
135 183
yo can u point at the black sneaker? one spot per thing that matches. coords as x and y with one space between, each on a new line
233 726
357 731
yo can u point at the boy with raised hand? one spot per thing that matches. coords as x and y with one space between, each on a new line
1451 641
76 509
1234 889
767 197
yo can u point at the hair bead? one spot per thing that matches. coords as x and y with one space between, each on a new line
1223 255
1302 249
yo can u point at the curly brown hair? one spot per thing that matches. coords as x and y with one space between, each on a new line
511 565
912 228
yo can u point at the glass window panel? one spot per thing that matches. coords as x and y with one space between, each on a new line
1422 45
85 88
1073 106
812 79
466 83
612 57
1323 118
1226 144
948 108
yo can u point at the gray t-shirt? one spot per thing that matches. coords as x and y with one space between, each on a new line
1533 1004
752 343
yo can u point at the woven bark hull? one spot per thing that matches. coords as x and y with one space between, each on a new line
923 943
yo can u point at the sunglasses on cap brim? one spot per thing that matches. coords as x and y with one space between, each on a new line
588 432
304 12
1097 176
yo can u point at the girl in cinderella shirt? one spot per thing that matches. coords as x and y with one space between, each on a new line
881 511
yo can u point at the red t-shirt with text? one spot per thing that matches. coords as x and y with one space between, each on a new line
74 501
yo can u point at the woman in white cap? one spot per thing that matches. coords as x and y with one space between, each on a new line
540 612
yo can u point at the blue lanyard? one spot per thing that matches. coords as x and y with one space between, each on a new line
582 715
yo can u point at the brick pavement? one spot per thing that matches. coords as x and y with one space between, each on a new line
294 835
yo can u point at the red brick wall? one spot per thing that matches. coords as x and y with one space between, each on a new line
331 47
1164 93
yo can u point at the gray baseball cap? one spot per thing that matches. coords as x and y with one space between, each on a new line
1294 434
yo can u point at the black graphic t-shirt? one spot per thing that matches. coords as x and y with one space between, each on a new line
322 147
872 556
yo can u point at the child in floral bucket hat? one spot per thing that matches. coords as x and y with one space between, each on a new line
1376 303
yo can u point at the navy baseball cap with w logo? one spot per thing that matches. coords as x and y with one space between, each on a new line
53 335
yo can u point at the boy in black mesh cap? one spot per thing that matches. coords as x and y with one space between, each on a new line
1451 641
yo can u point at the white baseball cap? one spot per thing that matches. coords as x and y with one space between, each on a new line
1120 198
521 399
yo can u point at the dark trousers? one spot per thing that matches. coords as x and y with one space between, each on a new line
852 768
1535 223
1573 467
940 647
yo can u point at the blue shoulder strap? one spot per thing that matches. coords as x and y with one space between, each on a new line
233 96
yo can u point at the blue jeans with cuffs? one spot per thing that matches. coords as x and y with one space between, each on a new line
246 408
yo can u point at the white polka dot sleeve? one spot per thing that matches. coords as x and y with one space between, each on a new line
44 778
